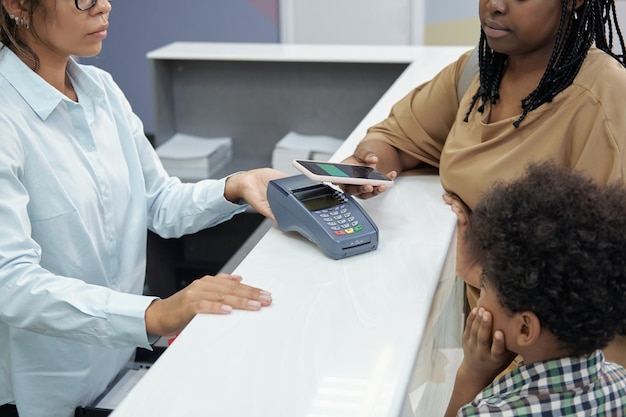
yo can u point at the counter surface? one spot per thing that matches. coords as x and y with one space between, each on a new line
340 338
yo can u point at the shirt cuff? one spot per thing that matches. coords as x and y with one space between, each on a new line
126 315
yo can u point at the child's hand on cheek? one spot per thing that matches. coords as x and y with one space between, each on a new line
485 353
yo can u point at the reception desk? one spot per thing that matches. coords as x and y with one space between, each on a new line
376 334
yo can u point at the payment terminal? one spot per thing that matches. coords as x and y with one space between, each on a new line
328 217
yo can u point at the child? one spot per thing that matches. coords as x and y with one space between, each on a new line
551 250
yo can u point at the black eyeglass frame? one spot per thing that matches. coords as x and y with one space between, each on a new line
93 3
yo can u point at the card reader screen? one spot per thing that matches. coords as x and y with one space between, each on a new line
320 203
318 197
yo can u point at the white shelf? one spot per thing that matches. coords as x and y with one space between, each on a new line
285 52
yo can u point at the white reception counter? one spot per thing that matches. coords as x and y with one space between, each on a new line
371 335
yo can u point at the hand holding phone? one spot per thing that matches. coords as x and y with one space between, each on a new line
341 173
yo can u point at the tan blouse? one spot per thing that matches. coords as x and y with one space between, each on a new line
583 128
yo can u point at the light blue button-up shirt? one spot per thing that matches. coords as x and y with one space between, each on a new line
80 185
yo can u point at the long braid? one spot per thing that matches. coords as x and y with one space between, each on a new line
491 67
594 21
607 14
567 57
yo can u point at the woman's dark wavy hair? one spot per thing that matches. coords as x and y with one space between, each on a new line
9 33
594 21
554 243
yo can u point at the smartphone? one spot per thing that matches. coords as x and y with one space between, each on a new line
341 173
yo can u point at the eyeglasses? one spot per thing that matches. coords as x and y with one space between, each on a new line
84 5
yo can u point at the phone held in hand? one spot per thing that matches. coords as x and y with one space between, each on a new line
339 173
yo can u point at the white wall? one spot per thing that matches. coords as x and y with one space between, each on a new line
373 22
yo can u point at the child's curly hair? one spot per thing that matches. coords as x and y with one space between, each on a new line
554 242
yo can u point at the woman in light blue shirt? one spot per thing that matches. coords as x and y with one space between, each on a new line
80 186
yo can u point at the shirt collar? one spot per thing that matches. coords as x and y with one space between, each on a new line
38 94
558 373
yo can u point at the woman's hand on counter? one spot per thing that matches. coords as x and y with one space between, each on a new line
218 294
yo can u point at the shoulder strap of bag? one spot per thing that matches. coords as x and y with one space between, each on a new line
469 71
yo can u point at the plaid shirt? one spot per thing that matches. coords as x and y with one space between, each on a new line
560 387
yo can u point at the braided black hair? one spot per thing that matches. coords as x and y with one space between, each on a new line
594 21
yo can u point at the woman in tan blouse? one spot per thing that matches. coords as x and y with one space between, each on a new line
549 87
